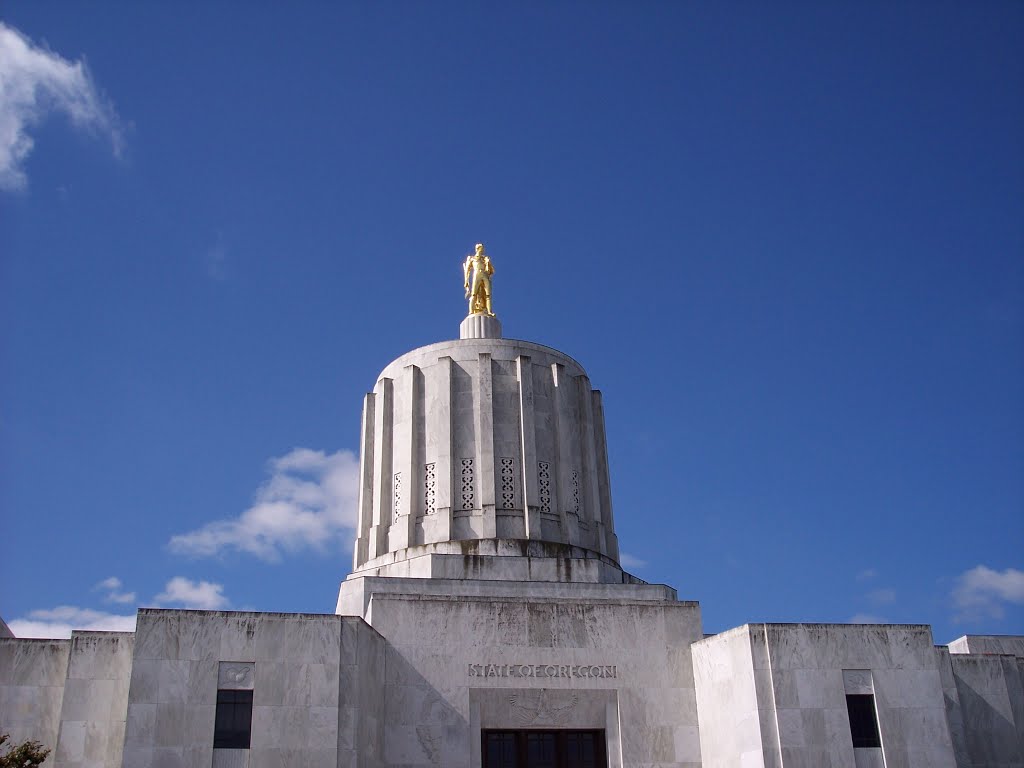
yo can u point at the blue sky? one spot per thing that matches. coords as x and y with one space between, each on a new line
785 239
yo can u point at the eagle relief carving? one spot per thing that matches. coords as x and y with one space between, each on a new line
542 707
235 675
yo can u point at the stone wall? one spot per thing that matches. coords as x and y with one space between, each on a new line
314 700
985 703
95 701
1012 645
727 702
463 656
802 673
32 674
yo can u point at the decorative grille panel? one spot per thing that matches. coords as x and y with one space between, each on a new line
544 485
467 484
429 489
576 493
508 485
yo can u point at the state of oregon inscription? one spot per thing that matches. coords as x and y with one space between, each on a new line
543 670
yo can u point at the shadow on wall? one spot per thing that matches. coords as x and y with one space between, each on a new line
991 709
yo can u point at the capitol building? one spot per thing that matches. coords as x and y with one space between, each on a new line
487 623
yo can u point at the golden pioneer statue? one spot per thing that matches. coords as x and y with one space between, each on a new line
477 271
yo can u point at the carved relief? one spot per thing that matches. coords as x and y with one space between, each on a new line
857 681
398 494
236 675
542 707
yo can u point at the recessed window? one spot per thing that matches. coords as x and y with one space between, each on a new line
863 720
543 749
233 725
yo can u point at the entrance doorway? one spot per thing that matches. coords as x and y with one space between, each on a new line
543 749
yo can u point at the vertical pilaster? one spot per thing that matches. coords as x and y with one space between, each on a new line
365 503
440 435
483 413
403 527
590 499
439 419
383 419
604 478
528 448
561 476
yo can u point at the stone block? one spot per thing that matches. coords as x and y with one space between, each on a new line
238 638
686 740
172 683
199 636
71 747
145 680
156 635
271 636
140 728
791 728
84 698
171 722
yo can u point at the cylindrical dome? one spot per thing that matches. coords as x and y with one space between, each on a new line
484 442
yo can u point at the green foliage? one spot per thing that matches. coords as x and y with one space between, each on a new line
23 755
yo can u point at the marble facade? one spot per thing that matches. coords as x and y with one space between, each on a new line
486 593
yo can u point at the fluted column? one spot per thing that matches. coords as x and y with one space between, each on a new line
515 425
480 327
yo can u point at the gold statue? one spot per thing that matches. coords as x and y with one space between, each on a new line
477 271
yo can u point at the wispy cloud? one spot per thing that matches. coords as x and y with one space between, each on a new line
183 593
113 588
627 560
35 82
58 622
981 592
308 502
866 618
867 574
882 596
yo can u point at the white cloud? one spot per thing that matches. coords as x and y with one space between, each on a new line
866 618
627 560
58 622
866 574
193 594
35 82
112 587
981 592
308 502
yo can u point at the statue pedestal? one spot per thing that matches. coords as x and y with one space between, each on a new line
480 327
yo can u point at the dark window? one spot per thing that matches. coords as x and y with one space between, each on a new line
233 724
543 749
863 720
